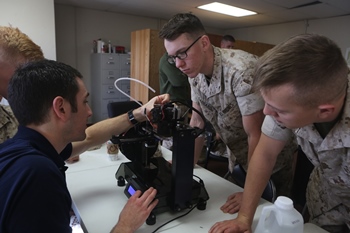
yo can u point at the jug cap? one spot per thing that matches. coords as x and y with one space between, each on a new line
283 202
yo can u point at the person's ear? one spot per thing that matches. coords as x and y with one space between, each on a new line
326 111
205 42
59 106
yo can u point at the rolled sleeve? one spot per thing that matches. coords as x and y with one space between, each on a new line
250 104
271 129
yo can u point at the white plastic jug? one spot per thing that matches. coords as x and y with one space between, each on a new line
281 217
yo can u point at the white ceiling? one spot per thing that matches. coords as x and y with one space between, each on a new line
269 11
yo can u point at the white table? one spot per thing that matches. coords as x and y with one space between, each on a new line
97 200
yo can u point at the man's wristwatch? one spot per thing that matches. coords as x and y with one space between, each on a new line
132 118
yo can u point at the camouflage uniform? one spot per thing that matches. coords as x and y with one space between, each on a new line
328 191
226 99
8 123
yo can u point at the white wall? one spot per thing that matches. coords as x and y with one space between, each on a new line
92 25
336 28
66 35
76 28
35 18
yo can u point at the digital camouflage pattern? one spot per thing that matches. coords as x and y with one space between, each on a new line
328 191
8 123
229 97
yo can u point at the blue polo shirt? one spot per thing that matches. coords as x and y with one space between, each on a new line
33 192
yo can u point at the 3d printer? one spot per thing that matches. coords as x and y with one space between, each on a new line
176 188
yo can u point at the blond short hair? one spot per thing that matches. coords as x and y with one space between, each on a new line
16 47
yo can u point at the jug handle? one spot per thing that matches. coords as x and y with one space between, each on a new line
265 211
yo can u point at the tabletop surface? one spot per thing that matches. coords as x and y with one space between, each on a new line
97 200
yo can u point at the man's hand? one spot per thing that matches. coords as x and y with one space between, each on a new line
231 226
233 203
140 113
136 211
160 99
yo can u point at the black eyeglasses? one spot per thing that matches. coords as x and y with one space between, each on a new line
182 55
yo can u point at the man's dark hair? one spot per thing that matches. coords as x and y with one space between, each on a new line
35 85
182 23
228 38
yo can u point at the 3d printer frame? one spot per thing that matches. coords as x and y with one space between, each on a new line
176 188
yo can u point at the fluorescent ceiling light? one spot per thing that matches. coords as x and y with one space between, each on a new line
226 9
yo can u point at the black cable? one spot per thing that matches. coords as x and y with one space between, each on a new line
202 184
200 180
197 177
193 109
174 219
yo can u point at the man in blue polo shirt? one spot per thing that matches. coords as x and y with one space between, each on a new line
49 100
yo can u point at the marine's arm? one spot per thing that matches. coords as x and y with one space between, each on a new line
252 126
259 172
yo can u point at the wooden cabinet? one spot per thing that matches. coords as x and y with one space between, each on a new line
215 39
106 68
252 47
146 50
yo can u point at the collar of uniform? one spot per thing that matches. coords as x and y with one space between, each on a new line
215 80
341 131
338 137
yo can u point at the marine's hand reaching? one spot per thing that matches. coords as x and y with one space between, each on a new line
238 225
233 203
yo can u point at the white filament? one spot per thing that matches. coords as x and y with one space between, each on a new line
132 79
